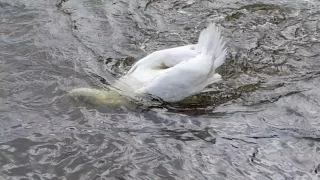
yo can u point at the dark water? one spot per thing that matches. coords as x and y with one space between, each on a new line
263 123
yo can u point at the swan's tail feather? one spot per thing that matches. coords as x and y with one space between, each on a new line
211 44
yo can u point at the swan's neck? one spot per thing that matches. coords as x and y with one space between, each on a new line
98 97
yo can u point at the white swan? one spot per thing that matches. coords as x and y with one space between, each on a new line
176 73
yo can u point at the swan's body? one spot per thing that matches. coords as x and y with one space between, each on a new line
176 73
172 74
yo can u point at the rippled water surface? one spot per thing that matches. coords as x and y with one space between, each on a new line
261 122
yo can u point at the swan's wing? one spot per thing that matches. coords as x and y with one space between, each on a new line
152 65
180 81
165 58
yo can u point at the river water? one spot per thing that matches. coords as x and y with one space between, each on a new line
261 122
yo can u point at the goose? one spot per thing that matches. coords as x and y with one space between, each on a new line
172 74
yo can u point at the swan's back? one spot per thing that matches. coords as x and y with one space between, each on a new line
174 74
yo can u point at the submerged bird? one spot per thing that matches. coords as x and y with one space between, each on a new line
176 73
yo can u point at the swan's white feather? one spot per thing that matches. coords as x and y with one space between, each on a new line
176 73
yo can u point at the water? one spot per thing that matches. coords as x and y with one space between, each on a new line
262 121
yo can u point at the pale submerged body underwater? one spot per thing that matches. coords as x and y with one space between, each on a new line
170 74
